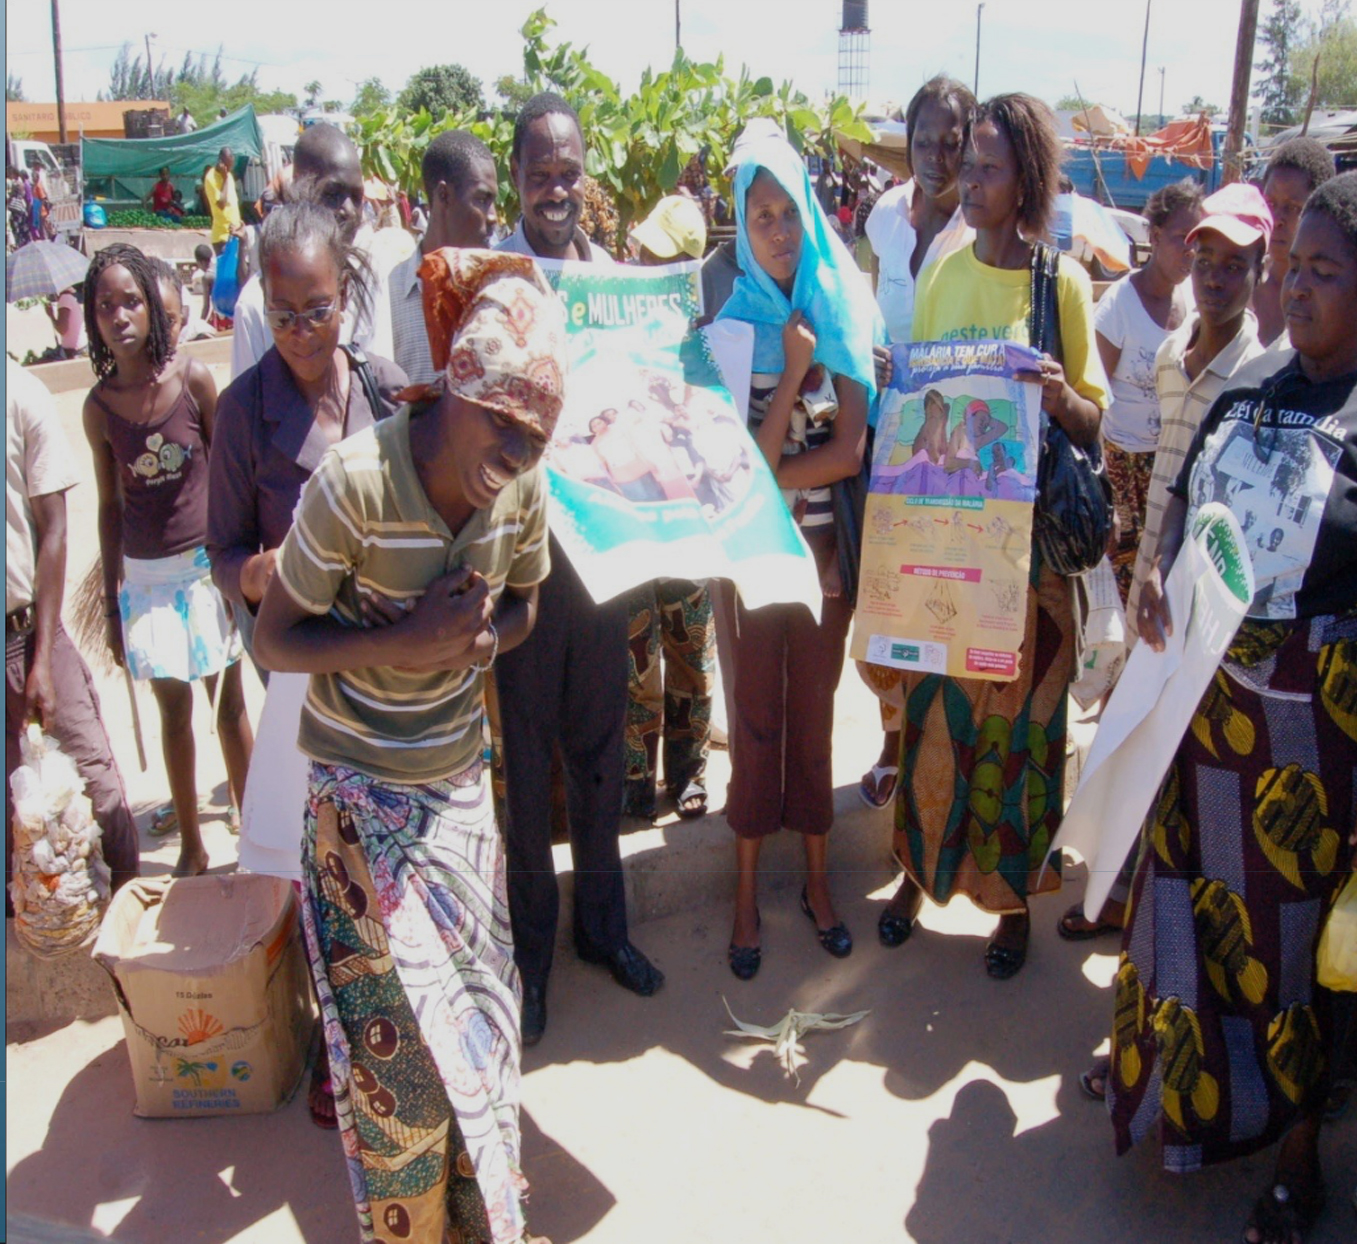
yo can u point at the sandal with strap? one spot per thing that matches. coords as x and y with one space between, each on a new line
692 802
871 790
837 940
1283 1216
745 961
1074 926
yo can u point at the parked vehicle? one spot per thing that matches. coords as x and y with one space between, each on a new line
1103 173
61 180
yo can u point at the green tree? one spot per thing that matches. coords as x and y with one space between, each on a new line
313 90
1197 105
128 78
637 146
1280 89
14 87
439 89
372 97
1070 103
515 92
1334 40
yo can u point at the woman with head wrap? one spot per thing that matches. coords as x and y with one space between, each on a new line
814 326
413 562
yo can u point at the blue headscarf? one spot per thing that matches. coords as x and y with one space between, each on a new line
829 289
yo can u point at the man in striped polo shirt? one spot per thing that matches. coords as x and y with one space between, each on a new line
413 563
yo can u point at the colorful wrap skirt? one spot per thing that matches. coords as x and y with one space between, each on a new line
1220 1033
982 768
407 929
175 622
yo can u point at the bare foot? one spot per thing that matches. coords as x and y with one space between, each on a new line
190 863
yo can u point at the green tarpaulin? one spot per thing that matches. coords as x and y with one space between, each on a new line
123 170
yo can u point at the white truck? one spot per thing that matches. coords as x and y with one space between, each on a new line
62 183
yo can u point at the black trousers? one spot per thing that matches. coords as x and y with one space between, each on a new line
565 687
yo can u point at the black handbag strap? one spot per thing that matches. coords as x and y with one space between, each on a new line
1043 315
367 378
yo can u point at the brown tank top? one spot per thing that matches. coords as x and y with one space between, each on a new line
162 466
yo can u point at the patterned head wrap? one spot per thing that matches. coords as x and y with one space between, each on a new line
497 332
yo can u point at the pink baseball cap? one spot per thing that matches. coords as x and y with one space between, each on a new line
1238 211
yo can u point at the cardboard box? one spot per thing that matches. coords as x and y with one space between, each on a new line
213 986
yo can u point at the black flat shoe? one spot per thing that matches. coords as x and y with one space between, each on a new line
894 930
838 941
1003 962
629 967
745 961
534 1021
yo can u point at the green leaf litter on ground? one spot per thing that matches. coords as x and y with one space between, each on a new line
785 1036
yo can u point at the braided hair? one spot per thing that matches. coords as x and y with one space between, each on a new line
159 340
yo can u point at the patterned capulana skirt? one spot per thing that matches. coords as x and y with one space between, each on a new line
407 928
1221 1034
175 622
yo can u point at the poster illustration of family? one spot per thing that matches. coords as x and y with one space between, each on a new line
948 533
651 469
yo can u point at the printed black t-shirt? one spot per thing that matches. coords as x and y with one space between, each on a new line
1281 452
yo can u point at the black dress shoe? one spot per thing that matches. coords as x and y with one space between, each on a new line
1003 962
745 961
534 1021
838 941
894 930
630 968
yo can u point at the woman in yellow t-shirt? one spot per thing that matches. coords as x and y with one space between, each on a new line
982 763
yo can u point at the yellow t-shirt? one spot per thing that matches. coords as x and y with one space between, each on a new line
962 299
224 219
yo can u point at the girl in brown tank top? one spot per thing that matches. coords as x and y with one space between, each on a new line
149 424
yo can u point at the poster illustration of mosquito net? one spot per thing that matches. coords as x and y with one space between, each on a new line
946 547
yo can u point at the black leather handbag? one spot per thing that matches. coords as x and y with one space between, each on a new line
1072 519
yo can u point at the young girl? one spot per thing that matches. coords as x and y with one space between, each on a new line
149 423
814 327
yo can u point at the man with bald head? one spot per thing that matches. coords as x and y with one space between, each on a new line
325 171
219 188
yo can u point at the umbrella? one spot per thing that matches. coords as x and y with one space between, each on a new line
43 268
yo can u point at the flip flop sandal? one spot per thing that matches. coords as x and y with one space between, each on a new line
1281 1214
870 789
164 821
693 791
1072 932
233 822
327 1120
1099 1071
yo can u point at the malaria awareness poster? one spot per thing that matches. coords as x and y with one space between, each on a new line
651 469
946 545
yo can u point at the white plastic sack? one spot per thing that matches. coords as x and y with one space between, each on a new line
1100 624
60 884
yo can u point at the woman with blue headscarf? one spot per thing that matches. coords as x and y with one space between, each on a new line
813 383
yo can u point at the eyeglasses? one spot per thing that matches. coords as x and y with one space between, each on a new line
314 317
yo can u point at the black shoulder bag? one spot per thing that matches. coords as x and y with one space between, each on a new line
368 379
1072 518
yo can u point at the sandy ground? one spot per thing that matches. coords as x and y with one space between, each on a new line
952 1113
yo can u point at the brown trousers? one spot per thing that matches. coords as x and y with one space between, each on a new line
787 669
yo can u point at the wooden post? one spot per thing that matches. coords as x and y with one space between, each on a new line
61 87
1310 103
1239 92
1144 47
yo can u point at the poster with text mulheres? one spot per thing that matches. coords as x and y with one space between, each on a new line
947 540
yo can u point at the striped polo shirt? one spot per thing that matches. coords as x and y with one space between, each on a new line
364 525
815 506
1183 404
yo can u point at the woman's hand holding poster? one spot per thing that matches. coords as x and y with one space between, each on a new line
947 540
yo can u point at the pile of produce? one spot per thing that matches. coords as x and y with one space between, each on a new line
140 218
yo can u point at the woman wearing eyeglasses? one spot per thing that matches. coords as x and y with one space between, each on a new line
277 419
1221 1032
274 424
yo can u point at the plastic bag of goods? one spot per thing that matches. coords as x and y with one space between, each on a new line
61 883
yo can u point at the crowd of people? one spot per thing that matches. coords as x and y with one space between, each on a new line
363 512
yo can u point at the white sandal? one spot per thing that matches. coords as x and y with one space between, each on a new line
871 795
